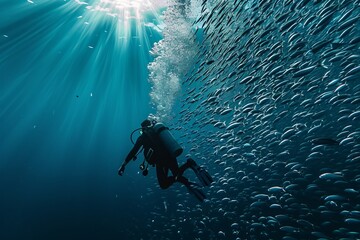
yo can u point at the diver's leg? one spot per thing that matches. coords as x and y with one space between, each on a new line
173 165
183 180
203 176
193 188
185 166
162 175
177 172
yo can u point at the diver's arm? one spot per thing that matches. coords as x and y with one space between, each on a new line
131 154
134 150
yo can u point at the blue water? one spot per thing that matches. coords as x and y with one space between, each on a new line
71 91
264 94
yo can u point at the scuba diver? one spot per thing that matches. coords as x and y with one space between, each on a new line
160 150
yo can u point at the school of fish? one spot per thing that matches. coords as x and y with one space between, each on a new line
272 109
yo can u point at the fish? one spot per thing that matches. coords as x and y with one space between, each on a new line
325 141
274 91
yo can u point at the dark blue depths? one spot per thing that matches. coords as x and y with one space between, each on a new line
271 108
72 86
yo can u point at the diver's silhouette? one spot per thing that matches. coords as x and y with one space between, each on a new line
161 150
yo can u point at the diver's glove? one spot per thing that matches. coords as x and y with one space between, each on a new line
121 170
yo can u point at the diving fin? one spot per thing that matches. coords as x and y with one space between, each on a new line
197 192
203 176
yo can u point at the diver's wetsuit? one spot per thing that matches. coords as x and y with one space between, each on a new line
163 162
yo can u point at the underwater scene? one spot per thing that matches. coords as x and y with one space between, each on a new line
264 95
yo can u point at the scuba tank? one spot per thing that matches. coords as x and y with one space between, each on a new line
166 140
161 140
